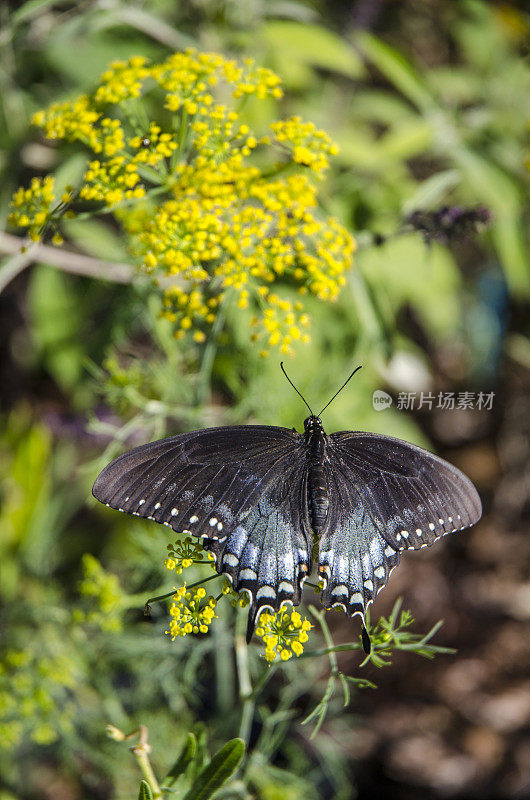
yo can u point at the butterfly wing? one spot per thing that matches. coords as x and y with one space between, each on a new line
241 489
268 549
387 496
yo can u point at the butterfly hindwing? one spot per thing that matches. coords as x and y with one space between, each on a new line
267 552
355 561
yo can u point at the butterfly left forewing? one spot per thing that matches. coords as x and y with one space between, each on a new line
195 482
240 489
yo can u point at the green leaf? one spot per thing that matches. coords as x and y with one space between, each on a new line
216 773
396 69
406 140
145 792
302 45
185 758
69 172
495 188
33 8
96 239
56 324
432 191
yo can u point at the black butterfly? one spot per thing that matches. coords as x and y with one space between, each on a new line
256 495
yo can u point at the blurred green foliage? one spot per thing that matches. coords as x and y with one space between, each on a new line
419 125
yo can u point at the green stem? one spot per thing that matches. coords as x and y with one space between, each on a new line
287 166
205 373
183 129
325 651
140 752
246 694
170 594
331 648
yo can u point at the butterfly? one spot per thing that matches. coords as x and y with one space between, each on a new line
267 500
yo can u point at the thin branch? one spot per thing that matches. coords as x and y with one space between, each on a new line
75 263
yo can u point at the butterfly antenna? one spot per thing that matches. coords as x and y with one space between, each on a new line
294 387
340 390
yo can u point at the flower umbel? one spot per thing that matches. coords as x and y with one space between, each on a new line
192 612
31 207
183 554
104 590
228 213
284 634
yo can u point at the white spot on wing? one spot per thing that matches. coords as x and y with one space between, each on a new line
265 591
157 506
230 559
369 585
379 572
248 575
174 512
193 519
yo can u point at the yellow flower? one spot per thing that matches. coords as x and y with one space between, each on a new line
197 204
284 634
183 554
191 612
32 206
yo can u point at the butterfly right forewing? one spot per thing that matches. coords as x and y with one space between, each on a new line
386 496
417 496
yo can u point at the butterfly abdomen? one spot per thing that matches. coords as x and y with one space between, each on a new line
317 484
318 497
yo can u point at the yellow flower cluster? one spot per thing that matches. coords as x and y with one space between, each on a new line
104 589
191 612
282 322
112 181
72 120
190 77
35 697
309 146
31 207
123 80
283 633
183 554
206 199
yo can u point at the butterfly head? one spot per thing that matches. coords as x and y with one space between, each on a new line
313 424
